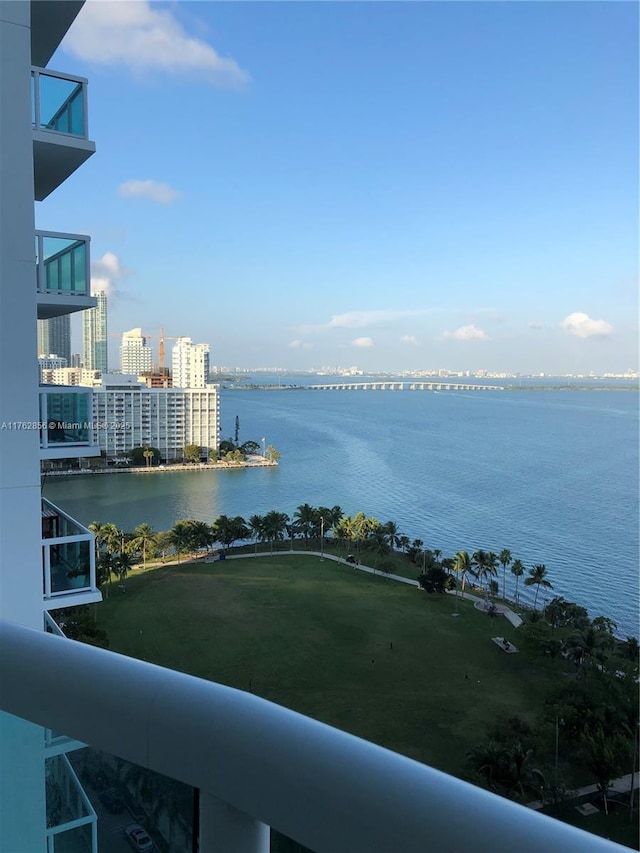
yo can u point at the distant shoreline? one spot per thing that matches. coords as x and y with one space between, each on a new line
291 387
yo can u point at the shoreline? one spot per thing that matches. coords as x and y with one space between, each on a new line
163 469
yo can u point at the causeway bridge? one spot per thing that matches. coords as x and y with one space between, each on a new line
380 385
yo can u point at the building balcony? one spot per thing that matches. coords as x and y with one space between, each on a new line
60 132
62 274
256 764
68 560
71 819
66 422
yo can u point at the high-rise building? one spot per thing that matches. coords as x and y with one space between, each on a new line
132 415
190 364
54 337
47 559
94 336
135 354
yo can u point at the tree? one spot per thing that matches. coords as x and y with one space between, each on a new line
180 537
140 455
250 448
256 529
538 577
517 570
227 530
193 453
122 565
462 566
275 525
237 430
143 537
504 558
272 454
434 579
603 754
392 534
305 519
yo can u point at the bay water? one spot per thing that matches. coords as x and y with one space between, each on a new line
552 475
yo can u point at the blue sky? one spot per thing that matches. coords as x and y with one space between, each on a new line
395 186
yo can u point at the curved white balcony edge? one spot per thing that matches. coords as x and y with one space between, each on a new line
329 790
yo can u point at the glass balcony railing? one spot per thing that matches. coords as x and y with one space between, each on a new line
65 418
68 554
62 263
59 102
71 819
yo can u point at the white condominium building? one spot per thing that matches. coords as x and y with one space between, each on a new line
127 414
190 364
47 559
135 354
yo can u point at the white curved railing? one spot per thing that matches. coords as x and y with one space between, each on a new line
257 764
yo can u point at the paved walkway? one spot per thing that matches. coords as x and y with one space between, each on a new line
621 786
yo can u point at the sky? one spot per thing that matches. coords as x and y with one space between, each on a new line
393 186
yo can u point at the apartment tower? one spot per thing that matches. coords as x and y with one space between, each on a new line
135 354
43 118
94 335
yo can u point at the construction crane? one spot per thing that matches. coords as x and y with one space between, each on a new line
161 338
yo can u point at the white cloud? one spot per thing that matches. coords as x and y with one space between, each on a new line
534 325
409 339
154 190
362 342
299 345
360 319
582 326
467 333
141 38
106 273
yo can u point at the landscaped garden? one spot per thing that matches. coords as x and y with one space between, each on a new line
379 659
385 660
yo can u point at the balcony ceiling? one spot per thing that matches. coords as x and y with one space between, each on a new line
55 158
50 21
58 304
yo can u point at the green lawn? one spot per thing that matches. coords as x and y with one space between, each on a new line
371 656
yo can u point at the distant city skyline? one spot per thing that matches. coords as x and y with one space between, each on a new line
393 185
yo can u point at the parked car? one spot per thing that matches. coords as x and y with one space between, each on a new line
138 838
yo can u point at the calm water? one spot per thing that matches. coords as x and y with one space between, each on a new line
551 475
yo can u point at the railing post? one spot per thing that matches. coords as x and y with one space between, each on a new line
223 829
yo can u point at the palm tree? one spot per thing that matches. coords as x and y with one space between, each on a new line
201 535
538 577
480 563
504 558
122 565
180 537
463 566
517 570
275 525
305 517
392 534
256 528
143 536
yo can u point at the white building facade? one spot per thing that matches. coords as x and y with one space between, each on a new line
127 414
190 364
46 557
135 354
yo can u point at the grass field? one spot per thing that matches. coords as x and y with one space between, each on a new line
371 656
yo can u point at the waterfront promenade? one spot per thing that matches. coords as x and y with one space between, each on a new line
251 462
